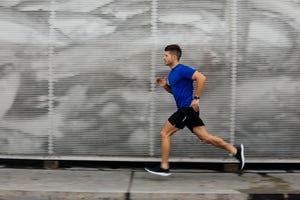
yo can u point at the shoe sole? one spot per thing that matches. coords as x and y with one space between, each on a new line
243 157
158 173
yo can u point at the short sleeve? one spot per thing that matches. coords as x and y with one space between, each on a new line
187 72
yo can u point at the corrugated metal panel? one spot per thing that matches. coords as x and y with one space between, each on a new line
268 90
77 77
24 81
102 91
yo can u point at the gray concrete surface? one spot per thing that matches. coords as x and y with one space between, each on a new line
128 184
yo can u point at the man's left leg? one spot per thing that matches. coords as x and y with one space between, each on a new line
205 136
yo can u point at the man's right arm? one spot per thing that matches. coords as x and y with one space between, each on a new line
168 88
162 82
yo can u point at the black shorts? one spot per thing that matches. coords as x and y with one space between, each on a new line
186 116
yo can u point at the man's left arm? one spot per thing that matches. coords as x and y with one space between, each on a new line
200 82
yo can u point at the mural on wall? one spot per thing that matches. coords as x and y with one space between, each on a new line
77 76
268 77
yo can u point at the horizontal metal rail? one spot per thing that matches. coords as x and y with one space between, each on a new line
147 159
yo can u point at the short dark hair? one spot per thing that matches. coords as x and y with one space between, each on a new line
174 49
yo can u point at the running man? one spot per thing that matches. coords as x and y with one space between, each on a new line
180 85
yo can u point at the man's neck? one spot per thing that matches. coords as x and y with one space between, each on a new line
173 65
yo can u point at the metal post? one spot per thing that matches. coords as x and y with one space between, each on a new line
50 76
152 76
234 22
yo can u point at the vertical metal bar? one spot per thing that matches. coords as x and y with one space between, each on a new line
234 22
153 74
50 76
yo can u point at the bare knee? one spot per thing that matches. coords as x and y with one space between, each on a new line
164 134
214 140
203 135
168 130
206 139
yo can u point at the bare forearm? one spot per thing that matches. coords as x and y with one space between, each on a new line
168 88
200 83
162 82
199 88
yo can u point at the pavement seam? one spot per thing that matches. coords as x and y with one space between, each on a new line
127 196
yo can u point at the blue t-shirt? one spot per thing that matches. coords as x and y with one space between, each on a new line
181 83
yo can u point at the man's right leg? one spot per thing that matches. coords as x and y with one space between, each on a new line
166 132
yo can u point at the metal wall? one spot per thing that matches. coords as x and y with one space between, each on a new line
77 77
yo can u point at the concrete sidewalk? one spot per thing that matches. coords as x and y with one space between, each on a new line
92 184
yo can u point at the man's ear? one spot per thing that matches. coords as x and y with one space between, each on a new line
175 57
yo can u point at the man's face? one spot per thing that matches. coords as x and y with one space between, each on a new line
169 58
